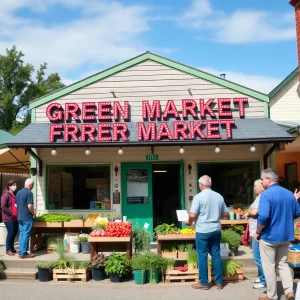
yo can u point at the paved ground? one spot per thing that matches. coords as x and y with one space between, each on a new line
28 290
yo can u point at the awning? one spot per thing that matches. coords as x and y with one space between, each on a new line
244 131
14 161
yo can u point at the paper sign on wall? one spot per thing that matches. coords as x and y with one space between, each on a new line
146 225
182 215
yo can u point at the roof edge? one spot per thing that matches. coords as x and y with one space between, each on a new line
138 59
283 83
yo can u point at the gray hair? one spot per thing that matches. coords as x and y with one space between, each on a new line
28 182
271 174
205 180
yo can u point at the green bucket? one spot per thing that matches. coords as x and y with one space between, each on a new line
154 278
139 276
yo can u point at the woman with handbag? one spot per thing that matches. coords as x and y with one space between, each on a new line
260 282
9 215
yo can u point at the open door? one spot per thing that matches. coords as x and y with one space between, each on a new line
137 193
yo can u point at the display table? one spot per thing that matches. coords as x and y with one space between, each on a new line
235 222
109 244
57 227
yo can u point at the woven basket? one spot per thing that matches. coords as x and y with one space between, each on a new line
294 257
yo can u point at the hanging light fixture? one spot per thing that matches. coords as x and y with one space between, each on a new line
252 148
181 150
53 152
120 151
87 151
217 150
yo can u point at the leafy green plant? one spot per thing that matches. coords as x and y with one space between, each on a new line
238 229
45 265
111 216
168 247
232 238
155 263
117 264
53 218
181 248
139 262
99 260
166 228
64 260
141 239
170 263
230 266
189 247
76 216
192 257
83 237
83 265
1 267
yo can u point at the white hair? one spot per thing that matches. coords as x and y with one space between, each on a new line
271 174
205 180
28 182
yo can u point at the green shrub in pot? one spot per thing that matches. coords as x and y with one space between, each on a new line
117 264
232 238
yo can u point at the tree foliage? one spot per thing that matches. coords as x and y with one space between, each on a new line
19 85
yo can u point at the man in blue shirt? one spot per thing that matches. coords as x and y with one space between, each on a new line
207 209
275 229
26 216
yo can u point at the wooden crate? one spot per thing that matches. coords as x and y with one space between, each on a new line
294 257
88 223
182 255
239 276
74 223
70 275
48 224
178 276
172 255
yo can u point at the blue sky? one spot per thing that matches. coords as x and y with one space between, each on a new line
252 41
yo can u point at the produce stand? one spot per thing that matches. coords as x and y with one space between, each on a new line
235 222
161 238
52 227
108 244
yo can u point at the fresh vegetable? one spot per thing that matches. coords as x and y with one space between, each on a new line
166 229
116 229
187 231
53 218
182 268
92 217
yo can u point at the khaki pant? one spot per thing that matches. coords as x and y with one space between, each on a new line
273 255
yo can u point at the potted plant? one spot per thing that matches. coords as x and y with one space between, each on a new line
169 250
141 240
117 266
232 270
85 245
170 263
138 264
192 257
98 266
233 239
155 265
45 270
224 248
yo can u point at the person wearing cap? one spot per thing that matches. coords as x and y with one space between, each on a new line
208 208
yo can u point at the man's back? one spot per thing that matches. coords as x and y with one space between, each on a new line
24 198
277 210
208 205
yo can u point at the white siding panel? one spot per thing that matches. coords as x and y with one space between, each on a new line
285 105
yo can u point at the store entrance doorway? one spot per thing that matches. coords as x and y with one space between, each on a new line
166 193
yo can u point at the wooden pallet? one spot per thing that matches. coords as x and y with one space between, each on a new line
178 276
62 275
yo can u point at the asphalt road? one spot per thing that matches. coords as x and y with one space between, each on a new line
29 290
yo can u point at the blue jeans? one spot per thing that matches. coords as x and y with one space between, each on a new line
257 260
209 243
25 232
12 230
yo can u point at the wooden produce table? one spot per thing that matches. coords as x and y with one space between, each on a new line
109 244
57 227
235 222
163 238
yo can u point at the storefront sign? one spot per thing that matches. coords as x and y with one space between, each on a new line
100 122
151 156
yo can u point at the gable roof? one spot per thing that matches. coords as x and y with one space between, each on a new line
283 83
4 137
139 59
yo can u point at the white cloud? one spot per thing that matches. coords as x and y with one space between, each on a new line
259 83
106 32
238 27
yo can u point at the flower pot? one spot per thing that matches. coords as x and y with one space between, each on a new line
234 251
139 276
44 275
153 277
116 277
85 247
98 273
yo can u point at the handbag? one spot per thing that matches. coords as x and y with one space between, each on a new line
246 236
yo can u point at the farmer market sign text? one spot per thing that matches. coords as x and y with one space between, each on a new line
101 121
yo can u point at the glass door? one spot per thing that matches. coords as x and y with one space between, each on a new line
137 194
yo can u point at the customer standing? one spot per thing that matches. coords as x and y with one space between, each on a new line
260 282
9 216
26 217
207 209
275 229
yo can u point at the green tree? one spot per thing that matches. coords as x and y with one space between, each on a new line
18 87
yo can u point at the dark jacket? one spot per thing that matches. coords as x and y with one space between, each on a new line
7 215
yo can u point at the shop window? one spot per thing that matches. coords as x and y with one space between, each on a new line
137 186
79 187
234 181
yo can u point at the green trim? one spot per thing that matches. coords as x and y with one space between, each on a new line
4 137
33 115
139 59
267 110
75 165
283 83
33 164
